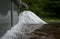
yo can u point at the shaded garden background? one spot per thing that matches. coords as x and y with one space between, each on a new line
46 9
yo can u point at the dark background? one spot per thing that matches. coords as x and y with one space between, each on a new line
46 9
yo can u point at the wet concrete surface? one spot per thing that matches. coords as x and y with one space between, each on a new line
5 22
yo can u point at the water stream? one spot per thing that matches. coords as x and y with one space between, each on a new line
28 22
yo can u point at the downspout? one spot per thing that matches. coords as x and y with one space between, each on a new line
12 13
18 3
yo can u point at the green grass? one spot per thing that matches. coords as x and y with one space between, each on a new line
51 19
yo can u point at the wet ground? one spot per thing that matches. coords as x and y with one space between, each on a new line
50 31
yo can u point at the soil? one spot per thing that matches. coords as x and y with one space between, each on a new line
48 31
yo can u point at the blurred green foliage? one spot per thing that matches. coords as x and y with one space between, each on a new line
44 8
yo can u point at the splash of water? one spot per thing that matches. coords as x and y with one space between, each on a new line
28 22
28 17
